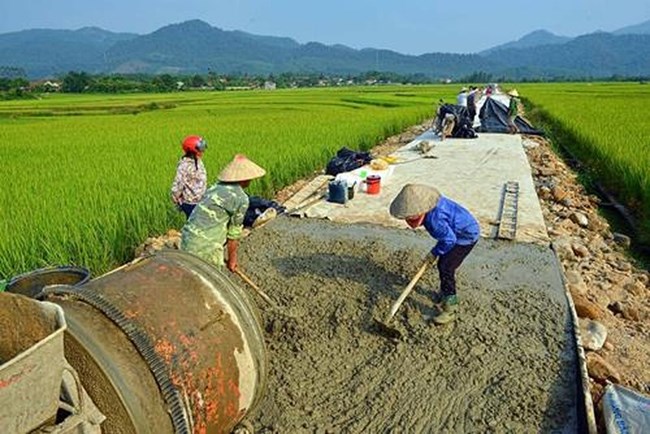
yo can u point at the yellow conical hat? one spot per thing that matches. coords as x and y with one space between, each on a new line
414 199
241 169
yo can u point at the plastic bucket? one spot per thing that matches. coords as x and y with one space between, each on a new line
338 191
373 183
32 283
351 192
30 381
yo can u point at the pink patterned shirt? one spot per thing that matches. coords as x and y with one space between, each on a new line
190 182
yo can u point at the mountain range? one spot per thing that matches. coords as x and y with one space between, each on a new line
197 47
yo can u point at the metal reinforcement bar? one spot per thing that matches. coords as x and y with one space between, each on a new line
508 215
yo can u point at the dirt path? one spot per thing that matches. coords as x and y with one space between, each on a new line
505 366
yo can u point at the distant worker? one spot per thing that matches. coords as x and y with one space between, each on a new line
456 230
218 219
445 121
191 178
461 99
513 111
471 103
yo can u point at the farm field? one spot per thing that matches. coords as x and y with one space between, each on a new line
86 178
605 126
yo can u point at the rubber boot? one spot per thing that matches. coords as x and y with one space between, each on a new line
449 308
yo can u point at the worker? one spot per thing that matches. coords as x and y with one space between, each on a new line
513 111
471 103
191 178
461 98
452 225
218 220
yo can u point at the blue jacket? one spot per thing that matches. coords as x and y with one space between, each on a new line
450 224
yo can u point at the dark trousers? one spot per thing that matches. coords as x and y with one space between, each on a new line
187 208
472 115
447 265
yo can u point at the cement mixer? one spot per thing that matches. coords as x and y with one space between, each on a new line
164 344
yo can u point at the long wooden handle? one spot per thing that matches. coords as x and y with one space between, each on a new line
407 291
246 279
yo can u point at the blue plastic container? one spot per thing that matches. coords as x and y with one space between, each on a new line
338 191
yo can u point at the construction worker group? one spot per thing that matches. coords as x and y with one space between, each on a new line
216 214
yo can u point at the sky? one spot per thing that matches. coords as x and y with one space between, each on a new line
406 26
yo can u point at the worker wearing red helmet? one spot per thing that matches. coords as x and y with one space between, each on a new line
191 178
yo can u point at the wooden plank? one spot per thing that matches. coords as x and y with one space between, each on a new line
307 192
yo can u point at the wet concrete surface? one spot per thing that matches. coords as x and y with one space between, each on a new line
506 365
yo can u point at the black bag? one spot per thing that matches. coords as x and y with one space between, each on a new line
256 206
347 160
463 124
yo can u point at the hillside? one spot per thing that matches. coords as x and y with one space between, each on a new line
595 55
638 29
44 52
196 47
533 39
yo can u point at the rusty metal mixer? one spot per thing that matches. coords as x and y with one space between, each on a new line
165 344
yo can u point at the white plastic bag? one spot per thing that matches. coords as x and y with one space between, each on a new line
625 411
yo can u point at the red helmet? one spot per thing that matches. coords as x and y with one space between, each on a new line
194 145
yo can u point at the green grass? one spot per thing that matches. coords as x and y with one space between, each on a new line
86 178
604 125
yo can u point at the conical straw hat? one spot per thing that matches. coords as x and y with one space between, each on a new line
414 199
241 169
514 93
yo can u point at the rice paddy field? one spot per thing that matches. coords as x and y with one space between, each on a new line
86 178
606 126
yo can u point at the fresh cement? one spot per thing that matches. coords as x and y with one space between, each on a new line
506 365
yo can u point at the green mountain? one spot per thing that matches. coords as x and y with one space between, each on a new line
197 47
638 29
45 52
533 39
597 55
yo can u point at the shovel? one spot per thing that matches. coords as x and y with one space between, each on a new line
384 326
252 284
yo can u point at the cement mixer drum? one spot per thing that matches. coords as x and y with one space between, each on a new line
166 343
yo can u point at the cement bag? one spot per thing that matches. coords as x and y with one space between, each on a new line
625 411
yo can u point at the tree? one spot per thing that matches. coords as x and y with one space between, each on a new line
197 81
164 83
76 82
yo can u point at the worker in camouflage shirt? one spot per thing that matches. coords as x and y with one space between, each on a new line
218 220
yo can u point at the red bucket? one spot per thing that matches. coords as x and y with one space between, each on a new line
373 183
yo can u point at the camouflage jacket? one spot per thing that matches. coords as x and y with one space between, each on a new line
217 218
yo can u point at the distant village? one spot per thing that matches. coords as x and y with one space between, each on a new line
14 84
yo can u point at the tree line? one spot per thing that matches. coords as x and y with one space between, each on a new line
15 85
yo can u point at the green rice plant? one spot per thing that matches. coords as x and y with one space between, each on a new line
605 126
86 189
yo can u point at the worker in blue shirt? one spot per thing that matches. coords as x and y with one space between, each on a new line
455 228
